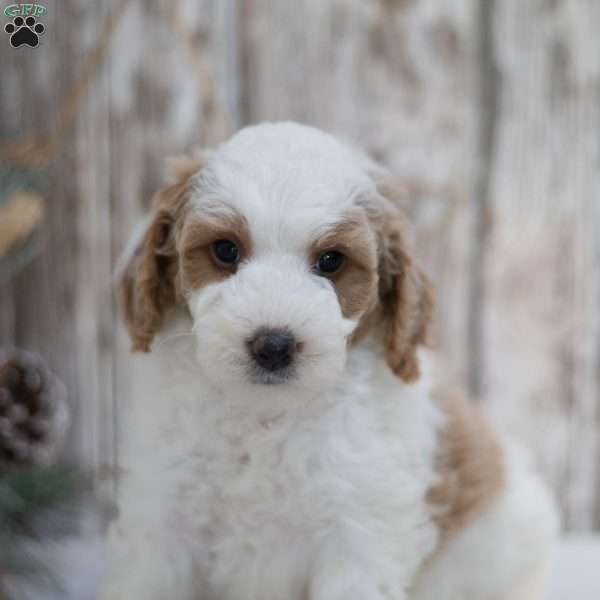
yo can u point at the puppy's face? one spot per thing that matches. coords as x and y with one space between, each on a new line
285 253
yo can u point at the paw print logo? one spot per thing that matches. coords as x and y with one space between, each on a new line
24 31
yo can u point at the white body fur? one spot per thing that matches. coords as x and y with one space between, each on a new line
312 490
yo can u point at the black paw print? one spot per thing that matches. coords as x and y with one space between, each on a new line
24 31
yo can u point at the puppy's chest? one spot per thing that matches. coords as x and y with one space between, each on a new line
277 481
260 502
272 480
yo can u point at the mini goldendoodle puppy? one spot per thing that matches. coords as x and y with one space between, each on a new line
287 437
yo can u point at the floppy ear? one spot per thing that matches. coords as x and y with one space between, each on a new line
148 282
406 296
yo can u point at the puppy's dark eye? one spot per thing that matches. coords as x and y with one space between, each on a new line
329 262
226 252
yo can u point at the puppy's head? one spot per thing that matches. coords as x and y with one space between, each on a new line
285 250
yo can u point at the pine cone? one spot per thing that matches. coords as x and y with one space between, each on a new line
33 410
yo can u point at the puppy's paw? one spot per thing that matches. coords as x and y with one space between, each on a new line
345 582
33 410
355 591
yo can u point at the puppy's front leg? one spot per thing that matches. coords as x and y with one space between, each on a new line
354 568
147 565
351 583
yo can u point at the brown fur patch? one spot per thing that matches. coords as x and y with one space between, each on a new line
356 282
198 265
469 465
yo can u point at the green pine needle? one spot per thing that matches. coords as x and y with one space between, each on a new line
27 494
36 504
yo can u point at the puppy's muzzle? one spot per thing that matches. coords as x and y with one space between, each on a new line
273 349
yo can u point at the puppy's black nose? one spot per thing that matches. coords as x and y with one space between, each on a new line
273 349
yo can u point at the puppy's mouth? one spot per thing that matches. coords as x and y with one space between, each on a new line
259 376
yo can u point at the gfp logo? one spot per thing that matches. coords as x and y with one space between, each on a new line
25 28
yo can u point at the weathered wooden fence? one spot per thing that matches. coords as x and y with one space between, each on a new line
488 111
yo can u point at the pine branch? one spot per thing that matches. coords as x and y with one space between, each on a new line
26 495
36 505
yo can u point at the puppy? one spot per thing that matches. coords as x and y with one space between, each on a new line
288 438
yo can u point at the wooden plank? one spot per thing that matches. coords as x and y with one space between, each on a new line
7 315
540 372
488 98
596 334
93 316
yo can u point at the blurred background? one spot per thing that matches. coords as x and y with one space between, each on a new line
487 111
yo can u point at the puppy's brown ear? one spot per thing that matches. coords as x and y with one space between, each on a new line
148 284
406 297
